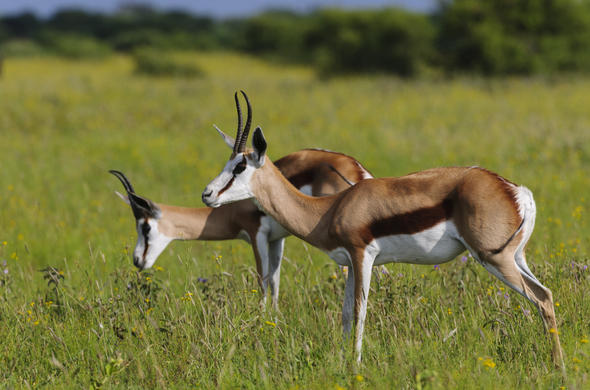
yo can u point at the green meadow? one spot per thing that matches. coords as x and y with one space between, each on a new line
74 312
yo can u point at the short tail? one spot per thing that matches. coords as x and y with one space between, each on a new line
527 210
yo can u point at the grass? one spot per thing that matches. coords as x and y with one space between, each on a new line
75 313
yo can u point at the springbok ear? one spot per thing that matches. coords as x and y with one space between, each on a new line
144 206
259 145
123 197
229 141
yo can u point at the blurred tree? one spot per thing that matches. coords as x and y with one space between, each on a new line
277 33
514 37
25 25
388 40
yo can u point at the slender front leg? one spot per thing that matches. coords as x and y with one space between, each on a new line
362 265
348 305
275 251
260 247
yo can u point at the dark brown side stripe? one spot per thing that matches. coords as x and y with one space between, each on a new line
409 223
229 183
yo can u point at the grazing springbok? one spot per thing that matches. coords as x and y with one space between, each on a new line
428 217
316 172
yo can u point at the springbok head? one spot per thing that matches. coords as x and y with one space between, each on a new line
233 183
150 241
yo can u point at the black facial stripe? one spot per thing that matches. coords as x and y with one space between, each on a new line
145 231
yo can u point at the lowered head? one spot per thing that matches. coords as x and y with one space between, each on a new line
150 241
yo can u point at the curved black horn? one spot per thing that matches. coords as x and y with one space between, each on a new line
123 179
244 135
239 132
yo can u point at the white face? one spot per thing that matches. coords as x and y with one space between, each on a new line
150 243
233 183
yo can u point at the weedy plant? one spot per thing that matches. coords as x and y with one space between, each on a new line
446 327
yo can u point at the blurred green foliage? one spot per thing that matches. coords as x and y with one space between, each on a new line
389 40
156 63
496 37
74 46
514 37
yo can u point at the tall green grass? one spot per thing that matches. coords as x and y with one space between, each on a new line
93 321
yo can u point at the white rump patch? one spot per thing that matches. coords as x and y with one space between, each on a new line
366 174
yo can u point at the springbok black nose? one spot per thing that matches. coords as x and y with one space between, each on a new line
205 195
136 261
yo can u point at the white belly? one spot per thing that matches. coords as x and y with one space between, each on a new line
438 244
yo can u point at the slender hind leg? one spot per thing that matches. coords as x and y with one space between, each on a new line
505 267
362 266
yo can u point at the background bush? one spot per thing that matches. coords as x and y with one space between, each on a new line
389 40
157 63
508 37
20 48
75 46
278 34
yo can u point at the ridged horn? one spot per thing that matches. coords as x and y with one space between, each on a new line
246 131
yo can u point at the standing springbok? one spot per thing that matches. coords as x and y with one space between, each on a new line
427 217
315 172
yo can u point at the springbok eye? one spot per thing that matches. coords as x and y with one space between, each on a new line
145 229
239 168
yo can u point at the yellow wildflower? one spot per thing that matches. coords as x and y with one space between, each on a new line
489 363
584 340
270 323
359 378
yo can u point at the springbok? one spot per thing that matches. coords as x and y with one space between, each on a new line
313 171
427 217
